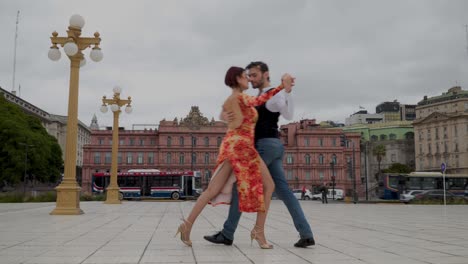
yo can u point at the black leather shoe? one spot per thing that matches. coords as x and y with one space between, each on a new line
218 238
305 242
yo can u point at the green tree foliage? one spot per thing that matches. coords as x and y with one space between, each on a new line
398 168
44 156
379 152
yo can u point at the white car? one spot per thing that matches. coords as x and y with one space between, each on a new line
406 197
298 194
339 193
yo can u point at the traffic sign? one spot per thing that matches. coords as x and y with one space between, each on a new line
443 167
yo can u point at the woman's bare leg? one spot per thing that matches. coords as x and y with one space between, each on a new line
268 188
219 178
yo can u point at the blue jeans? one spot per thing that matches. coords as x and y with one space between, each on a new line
271 150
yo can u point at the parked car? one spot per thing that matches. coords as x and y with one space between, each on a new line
298 194
407 196
339 194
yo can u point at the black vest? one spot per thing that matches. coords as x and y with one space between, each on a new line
267 123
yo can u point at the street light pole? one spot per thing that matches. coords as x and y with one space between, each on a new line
354 174
115 103
68 192
332 164
25 165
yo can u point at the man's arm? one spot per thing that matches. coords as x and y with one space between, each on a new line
282 103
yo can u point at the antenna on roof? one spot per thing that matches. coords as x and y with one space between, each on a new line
14 54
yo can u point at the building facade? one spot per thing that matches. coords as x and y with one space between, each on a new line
398 140
362 117
193 143
441 132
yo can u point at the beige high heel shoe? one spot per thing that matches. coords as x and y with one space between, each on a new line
182 230
254 235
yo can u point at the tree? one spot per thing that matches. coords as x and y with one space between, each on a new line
379 152
44 157
397 168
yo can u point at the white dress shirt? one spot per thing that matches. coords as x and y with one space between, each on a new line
282 102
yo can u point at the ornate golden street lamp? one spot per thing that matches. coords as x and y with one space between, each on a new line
68 192
115 104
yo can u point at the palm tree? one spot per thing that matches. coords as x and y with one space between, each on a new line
379 152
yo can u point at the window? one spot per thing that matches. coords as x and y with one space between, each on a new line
307 159
97 158
132 142
383 137
181 158
320 159
218 141
110 142
374 138
207 141
429 134
334 159
142 142
320 142
307 175
436 133
334 142
289 158
194 141
392 136
181 141
289 175
393 157
169 141
455 131
168 158
108 158
307 142
194 158
321 175
153 142
129 158
119 157
207 158
121 142
151 158
429 149
101 141
140 158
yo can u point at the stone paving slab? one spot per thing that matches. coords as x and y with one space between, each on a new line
142 232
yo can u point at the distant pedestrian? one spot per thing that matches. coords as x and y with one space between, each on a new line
324 191
303 192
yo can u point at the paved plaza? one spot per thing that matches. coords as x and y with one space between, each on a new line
142 232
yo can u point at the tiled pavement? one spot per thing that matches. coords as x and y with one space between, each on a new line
142 232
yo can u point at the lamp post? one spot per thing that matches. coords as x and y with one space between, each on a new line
115 103
332 165
68 192
191 160
25 164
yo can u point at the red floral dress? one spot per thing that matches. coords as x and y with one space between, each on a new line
238 147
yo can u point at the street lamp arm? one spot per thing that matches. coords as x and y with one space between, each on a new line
118 102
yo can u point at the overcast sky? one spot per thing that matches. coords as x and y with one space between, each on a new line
170 55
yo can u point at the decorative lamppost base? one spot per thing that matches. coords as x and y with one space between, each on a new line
113 196
68 200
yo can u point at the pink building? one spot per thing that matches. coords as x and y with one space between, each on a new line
193 142
313 155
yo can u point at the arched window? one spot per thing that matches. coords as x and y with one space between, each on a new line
320 159
181 141
409 135
307 159
374 138
383 137
181 158
169 141
392 136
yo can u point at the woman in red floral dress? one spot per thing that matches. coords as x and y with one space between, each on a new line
238 156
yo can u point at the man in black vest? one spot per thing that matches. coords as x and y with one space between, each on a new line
271 150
